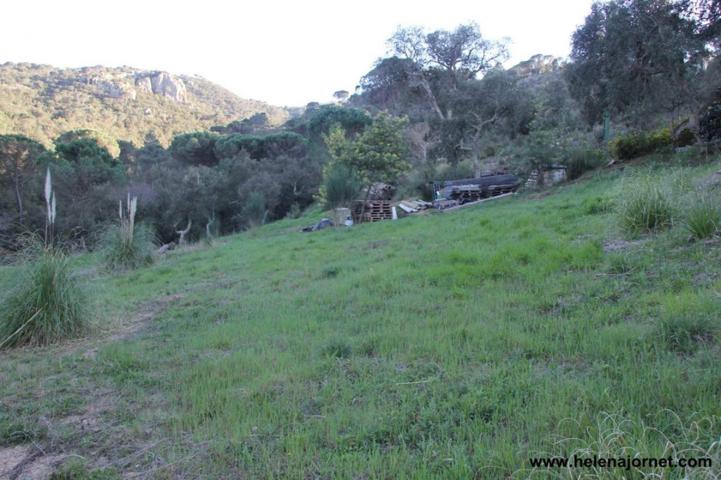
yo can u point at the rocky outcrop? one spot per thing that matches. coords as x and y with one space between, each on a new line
537 65
162 83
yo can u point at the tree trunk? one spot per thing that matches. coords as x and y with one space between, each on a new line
19 199
365 201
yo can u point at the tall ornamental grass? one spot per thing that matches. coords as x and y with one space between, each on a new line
646 206
47 304
128 246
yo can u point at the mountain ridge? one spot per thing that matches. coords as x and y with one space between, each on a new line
124 103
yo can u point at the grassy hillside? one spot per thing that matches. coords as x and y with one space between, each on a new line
454 345
42 102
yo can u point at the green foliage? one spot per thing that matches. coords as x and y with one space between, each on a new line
633 58
384 352
684 333
351 120
197 148
261 146
255 208
123 250
46 306
581 160
710 118
77 470
598 205
42 102
340 186
637 144
380 152
702 217
645 206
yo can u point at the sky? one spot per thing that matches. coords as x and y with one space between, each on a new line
283 52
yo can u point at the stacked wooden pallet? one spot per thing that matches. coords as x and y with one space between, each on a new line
375 211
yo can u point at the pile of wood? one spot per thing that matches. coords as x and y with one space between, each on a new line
413 206
375 211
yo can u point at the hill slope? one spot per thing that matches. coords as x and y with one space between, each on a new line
454 345
125 103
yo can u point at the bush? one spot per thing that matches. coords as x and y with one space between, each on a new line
645 207
47 306
581 160
637 144
122 251
681 334
703 217
597 205
684 138
341 187
710 119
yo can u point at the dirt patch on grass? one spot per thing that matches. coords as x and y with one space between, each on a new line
147 312
27 462
616 245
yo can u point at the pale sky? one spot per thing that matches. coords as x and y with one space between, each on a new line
283 52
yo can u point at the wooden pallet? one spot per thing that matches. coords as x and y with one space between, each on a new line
375 211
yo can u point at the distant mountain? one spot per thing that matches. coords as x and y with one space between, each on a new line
122 103
537 65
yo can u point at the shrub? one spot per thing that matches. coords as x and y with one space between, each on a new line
597 205
710 119
684 138
47 306
128 246
121 252
703 217
645 207
341 186
582 160
637 144
682 333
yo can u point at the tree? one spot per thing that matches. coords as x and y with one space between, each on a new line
634 57
18 159
380 152
463 50
195 148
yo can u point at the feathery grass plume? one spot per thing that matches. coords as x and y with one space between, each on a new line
702 218
646 206
48 304
50 206
127 245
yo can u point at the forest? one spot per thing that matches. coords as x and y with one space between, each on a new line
643 76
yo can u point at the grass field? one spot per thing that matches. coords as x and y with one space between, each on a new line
454 345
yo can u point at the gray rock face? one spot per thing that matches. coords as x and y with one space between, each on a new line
162 83
536 65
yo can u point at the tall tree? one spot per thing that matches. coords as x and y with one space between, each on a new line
634 57
18 157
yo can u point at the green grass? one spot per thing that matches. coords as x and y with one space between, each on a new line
452 345
703 217
45 305
646 205
122 251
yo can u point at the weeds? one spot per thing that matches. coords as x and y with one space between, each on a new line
702 219
47 306
127 245
646 207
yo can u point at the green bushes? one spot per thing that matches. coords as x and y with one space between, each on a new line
48 304
340 186
645 207
128 246
637 144
123 252
581 160
703 217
